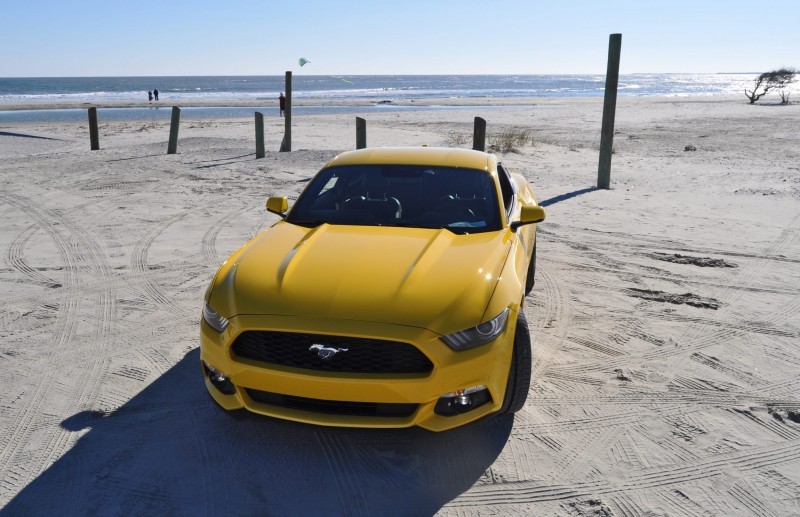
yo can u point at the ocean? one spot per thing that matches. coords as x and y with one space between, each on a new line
377 90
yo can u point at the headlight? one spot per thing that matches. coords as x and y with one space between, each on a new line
214 320
479 335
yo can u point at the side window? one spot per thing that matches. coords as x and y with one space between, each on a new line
506 189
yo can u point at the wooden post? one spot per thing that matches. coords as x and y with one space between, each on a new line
259 135
286 145
609 110
173 130
479 135
361 133
94 137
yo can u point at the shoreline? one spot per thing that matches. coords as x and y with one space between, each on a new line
487 101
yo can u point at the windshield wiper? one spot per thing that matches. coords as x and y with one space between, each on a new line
307 224
414 225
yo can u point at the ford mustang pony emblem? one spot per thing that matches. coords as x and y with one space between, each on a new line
326 352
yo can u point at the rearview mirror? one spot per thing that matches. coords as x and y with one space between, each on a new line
529 215
278 205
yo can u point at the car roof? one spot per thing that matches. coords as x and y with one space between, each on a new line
435 156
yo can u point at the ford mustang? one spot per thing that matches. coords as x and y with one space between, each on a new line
389 295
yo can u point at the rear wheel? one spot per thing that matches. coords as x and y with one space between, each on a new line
519 375
530 278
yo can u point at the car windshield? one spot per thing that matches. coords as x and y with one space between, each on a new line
460 200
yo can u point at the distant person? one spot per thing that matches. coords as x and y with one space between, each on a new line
155 94
282 102
150 96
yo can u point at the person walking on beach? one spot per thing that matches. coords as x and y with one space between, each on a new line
155 94
149 96
282 103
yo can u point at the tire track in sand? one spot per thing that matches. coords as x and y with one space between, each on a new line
697 337
702 333
16 256
19 428
348 485
557 316
641 481
83 253
208 245
17 259
139 264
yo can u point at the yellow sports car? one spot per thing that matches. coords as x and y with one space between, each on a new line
390 295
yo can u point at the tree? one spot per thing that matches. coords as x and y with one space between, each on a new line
783 78
768 81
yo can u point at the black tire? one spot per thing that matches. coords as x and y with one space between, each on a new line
530 277
519 375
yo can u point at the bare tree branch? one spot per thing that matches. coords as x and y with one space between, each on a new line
768 81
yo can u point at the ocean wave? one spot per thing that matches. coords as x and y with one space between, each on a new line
371 88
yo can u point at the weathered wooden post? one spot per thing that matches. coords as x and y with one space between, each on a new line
259 135
286 145
94 137
609 110
479 135
172 148
361 133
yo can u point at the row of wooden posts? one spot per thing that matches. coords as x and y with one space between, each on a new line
172 147
479 132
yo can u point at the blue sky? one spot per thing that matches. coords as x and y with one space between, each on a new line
238 37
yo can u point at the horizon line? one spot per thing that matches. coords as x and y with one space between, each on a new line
355 75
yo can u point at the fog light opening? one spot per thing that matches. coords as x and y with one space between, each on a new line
219 380
461 401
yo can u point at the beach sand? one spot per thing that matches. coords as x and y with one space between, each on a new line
665 322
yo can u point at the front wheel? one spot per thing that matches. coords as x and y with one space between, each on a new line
519 375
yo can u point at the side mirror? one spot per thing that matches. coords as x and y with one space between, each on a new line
278 205
529 215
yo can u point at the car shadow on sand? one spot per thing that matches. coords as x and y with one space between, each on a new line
171 450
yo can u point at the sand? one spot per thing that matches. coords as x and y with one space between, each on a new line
665 322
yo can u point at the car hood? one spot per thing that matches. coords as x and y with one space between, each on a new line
428 278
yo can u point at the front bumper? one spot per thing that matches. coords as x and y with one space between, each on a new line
487 365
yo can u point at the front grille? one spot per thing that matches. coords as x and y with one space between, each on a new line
362 356
333 407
